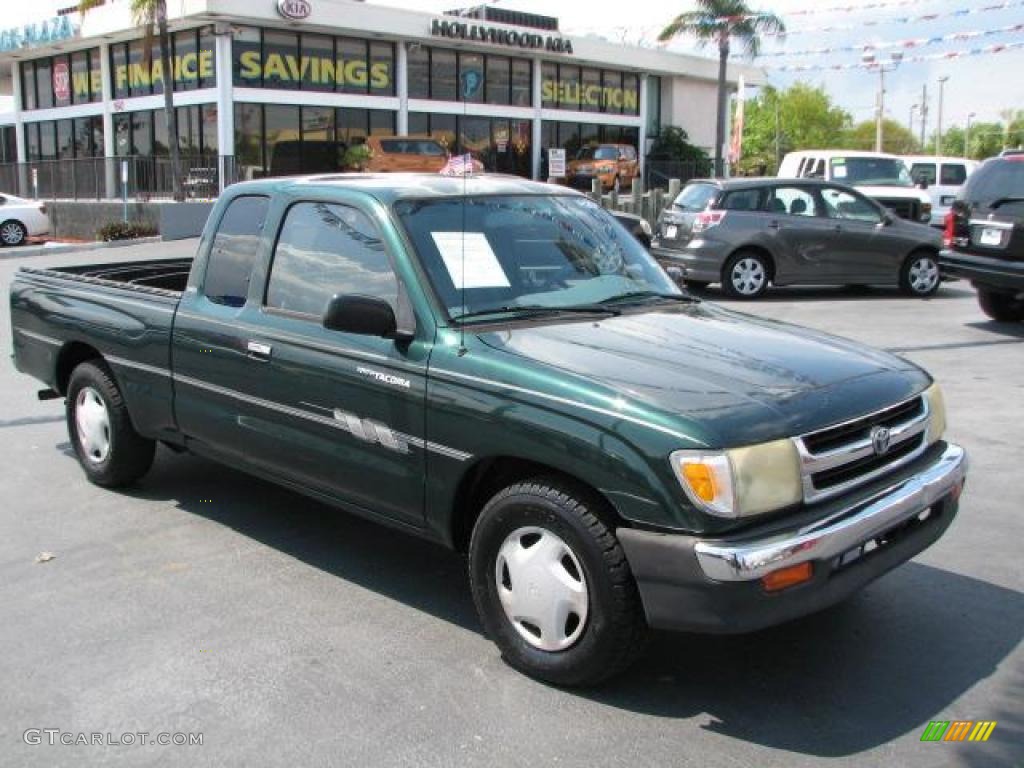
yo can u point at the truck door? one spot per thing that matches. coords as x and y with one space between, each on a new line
261 383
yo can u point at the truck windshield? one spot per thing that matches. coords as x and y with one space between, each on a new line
505 253
871 171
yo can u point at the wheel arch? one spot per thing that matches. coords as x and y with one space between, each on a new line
490 474
71 355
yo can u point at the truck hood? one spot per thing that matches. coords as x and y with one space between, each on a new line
899 193
726 378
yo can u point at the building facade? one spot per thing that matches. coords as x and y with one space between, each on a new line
278 87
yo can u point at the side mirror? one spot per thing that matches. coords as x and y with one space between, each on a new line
364 315
922 183
888 218
675 273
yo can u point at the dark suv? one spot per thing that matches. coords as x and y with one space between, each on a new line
752 232
984 238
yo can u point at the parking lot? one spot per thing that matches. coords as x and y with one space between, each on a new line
288 633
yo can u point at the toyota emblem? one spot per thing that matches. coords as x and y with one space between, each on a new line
880 437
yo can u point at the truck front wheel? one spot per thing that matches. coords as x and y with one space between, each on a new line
109 449
1000 306
552 586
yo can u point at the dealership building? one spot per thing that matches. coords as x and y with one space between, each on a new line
275 87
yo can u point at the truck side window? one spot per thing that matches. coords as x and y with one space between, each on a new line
234 248
953 175
326 249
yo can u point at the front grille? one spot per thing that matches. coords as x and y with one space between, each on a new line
905 209
839 458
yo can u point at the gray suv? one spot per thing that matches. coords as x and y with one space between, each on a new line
752 232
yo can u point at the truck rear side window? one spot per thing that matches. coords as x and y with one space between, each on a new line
234 250
326 249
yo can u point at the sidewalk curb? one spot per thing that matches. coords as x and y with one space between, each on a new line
19 252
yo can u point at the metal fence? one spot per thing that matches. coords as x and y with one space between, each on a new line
658 173
134 177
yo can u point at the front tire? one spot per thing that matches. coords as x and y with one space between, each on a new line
109 450
552 586
745 275
919 275
1001 307
13 232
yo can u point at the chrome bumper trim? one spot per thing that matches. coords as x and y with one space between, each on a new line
832 537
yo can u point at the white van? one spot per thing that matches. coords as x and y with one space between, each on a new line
944 177
884 178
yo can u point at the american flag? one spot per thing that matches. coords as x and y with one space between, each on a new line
459 165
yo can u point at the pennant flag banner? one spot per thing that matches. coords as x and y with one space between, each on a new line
875 22
996 48
917 42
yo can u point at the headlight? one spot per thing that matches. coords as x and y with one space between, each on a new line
741 482
646 228
937 409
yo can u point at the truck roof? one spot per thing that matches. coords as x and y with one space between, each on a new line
389 187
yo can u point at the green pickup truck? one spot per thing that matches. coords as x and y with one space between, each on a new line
497 365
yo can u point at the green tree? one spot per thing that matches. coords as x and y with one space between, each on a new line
780 121
150 13
897 140
721 22
673 143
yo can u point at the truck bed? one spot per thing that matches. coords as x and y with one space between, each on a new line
122 311
168 275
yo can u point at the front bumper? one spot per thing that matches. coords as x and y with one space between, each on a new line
713 585
985 270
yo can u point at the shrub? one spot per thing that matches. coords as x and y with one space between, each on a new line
125 230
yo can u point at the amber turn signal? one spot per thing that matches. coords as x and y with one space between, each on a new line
787 577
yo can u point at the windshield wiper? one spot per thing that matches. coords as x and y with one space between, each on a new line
633 295
1000 201
539 309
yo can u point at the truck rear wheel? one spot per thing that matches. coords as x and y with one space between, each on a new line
1000 306
552 586
110 451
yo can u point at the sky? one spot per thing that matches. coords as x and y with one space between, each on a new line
983 84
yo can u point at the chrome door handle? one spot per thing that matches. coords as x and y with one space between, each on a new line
258 351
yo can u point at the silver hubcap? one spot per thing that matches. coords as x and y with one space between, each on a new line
11 233
92 422
924 274
748 276
542 588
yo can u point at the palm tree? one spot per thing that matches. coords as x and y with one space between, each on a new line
722 21
147 13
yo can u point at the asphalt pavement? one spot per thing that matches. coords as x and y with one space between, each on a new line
204 601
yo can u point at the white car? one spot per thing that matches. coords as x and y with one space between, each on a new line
21 218
884 178
943 177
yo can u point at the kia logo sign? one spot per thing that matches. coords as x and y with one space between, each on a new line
61 81
294 9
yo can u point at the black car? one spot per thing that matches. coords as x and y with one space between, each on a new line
984 237
752 232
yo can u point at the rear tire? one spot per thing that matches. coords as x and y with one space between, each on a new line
1000 306
919 275
109 450
13 232
746 275
552 586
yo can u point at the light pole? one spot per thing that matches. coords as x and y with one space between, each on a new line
967 135
938 125
869 60
910 123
